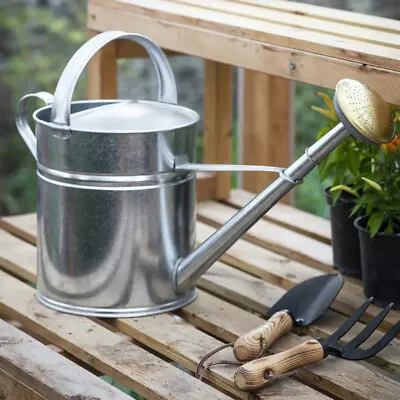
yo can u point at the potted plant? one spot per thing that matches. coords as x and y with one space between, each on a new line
340 172
378 194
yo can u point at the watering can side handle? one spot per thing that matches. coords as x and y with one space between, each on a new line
22 123
167 93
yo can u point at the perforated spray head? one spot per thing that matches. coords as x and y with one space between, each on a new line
364 113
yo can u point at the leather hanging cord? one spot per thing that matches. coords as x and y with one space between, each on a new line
199 374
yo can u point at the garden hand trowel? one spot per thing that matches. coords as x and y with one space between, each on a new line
300 306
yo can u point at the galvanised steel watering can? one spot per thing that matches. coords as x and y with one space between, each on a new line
116 193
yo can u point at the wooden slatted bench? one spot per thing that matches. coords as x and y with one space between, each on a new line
274 41
233 297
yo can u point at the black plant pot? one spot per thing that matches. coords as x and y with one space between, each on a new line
345 242
380 264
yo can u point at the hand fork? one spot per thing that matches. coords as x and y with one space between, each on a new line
258 373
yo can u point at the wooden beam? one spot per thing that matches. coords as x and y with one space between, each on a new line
287 62
206 185
102 72
129 49
217 145
276 33
266 127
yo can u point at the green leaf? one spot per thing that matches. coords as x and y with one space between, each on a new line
373 184
375 222
352 161
345 188
327 170
389 229
356 208
393 207
340 171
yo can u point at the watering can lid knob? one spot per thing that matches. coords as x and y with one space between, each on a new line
363 112
132 117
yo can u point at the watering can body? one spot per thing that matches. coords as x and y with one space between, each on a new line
116 194
113 215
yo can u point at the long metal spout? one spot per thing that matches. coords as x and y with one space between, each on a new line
189 269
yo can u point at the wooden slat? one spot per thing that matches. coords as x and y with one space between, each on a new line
264 31
23 226
336 28
129 49
11 389
273 237
267 136
252 293
102 72
286 273
249 291
340 378
328 14
217 140
269 58
183 343
289 217
104 350
246 256
326 381
187 346
20 260
48 373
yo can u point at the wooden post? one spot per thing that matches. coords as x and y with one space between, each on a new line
266 126
217 145
102 72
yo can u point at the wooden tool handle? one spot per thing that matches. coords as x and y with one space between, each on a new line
249 346
256 374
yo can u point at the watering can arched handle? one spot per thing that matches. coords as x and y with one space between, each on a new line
60 113
22 123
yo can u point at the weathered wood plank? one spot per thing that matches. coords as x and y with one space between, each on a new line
266 57
273 237
325 13
262 295
313 25
185 344
217 139
129 49
342 379
289 217
23 226
252 293
263 31
20 260
267 138
104 350
286 273
246 256
11 389
48 373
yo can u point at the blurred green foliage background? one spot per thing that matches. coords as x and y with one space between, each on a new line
38 42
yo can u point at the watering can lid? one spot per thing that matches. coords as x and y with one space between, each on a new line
133 117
